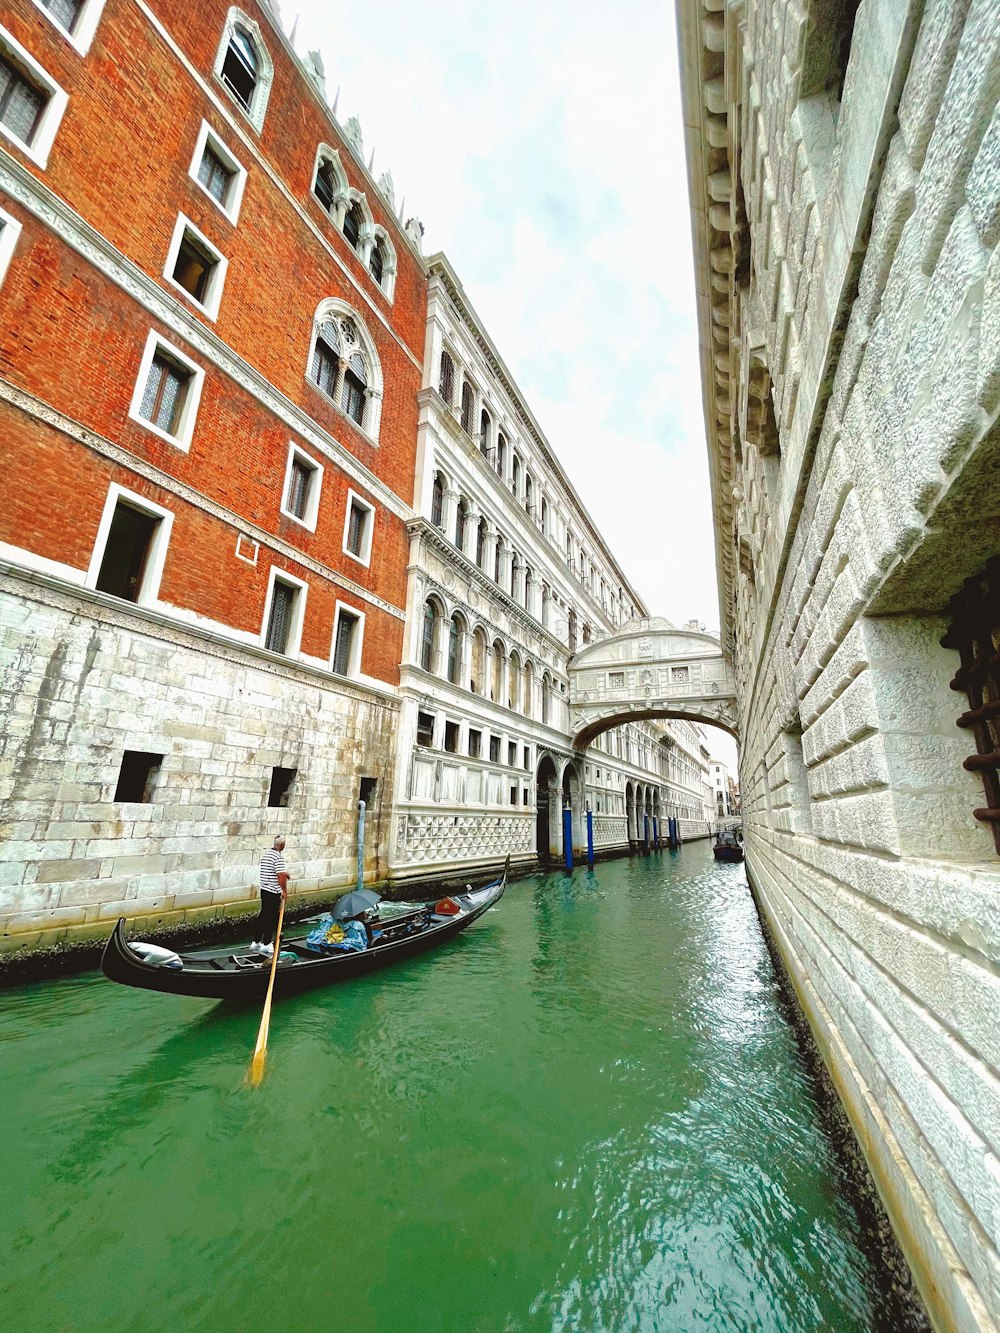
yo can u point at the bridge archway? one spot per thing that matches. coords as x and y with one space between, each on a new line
650 669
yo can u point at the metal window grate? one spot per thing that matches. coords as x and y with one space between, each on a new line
975 635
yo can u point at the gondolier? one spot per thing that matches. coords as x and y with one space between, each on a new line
274 881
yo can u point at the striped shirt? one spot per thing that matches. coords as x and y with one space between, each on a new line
272 863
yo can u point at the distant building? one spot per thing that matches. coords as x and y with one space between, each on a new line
845 197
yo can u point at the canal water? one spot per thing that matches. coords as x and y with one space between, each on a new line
588 1113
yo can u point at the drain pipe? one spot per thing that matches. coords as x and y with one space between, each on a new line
361 844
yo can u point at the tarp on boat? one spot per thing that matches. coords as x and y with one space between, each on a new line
329 936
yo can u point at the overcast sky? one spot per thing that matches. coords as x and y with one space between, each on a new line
539 141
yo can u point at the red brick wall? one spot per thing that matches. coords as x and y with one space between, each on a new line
74 338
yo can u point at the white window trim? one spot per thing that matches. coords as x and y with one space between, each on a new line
298 610
207 137
48 122
354 667
308 521
332 307
210 306
182 440
8 240
258 106
86 24
366 546
150 590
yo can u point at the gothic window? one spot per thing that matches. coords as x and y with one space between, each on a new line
240 68
437 500
325 185
343 365
355 388
376 262
353 222
382 261
243 66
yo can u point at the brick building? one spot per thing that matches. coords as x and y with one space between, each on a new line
211 346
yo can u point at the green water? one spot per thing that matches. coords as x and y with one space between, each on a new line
587 1113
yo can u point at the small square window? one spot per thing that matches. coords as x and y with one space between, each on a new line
359 524
303 480
425 729
137 776
195 266
475 743
616 680
451 737
280 790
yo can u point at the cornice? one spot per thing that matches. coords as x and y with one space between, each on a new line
34 407
43 204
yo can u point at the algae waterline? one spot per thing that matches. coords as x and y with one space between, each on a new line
589 1113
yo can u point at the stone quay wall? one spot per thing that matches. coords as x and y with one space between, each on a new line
845 173
84 678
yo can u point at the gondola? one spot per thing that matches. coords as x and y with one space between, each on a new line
216 974
727 846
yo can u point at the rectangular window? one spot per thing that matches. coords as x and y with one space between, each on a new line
303 480
167 392
324 368
217 172
215 175
494 749
344 642
279 620
451 737
127 551
137 776
425 729
353 398
298 487
359 523
513 796
65 12
281 786
475 743
525 796
195 266
21 101
511 754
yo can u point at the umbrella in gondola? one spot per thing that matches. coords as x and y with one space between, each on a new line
355 903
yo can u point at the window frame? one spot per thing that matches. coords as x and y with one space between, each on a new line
357 643
182 440
301 587
257 110
217 273
333 309
309 518
44 133
87 19
152 575
365 555
207 138
8 241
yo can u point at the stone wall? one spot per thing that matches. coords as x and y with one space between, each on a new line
86 678
851 333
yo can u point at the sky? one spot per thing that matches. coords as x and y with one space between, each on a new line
540 143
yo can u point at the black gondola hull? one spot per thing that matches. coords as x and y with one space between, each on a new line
198 977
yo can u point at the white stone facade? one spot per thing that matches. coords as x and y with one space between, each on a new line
845 177
86 678
508 578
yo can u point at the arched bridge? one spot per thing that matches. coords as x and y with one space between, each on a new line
650 669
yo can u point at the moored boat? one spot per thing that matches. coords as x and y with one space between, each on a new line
242 974
727 846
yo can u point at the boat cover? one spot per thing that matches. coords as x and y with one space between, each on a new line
329 936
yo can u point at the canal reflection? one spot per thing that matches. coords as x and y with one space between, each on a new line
588 1113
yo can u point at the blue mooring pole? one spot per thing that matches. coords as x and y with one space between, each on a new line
568 837
590 837
645 831
656 832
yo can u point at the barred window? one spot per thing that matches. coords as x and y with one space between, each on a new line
21 101
216 177
446 380
165 392
437 500
344 642
355 384
279 620
468 406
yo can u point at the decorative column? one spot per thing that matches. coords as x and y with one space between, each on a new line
471 533
449 513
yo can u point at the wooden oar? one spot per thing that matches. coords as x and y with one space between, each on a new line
260 1050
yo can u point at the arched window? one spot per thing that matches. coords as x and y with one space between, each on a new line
330 182
498 663
243 65
376 261
501 459
481 536
468 406
546 696
461 517
344 366
514 682
446 380
529 492
437 500
427 635
354 220
455 630
381 259
515 475
485 425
